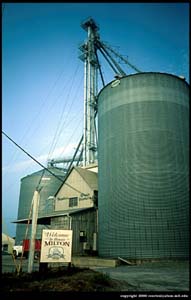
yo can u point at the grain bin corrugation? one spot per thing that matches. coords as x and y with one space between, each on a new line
143 161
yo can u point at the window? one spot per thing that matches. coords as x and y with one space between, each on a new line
83 237
73 201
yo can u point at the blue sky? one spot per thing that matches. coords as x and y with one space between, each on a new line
42 76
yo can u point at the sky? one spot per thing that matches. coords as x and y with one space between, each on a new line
42 75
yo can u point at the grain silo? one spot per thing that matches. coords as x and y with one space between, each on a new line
49 186
143 160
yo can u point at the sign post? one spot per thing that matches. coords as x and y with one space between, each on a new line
56 246
36 198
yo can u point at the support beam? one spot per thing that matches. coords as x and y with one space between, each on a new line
121 57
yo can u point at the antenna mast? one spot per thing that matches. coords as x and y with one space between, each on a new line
90 90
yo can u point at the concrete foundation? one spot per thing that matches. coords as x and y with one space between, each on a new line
94 262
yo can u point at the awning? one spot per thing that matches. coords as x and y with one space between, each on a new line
46 220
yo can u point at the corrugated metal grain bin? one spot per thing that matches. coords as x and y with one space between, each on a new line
143 161
50 185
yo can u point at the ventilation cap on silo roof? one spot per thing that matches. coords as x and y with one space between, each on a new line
182 77
118 76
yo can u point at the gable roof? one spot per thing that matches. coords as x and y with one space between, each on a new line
6 239
88 176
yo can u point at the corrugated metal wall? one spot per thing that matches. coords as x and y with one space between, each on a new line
49 185
82 221
143 167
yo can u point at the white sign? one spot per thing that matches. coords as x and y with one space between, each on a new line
56 246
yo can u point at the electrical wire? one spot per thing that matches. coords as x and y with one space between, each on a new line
56 176
59 126
51 89
44 101
37 114
72 135
32 157
60 74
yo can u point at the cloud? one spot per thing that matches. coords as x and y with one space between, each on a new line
20 166
60 152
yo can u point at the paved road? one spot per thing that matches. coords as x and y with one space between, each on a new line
158 276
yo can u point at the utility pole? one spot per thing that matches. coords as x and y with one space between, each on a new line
35 200
90 90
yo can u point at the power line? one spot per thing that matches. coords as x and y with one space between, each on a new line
71 136
38 113
31 156
40 163
60 125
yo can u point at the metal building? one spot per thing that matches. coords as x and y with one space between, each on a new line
143 157
78 190
7 244
76 208
73 206
49 185
83 223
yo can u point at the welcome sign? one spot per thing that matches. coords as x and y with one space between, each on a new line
56 246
